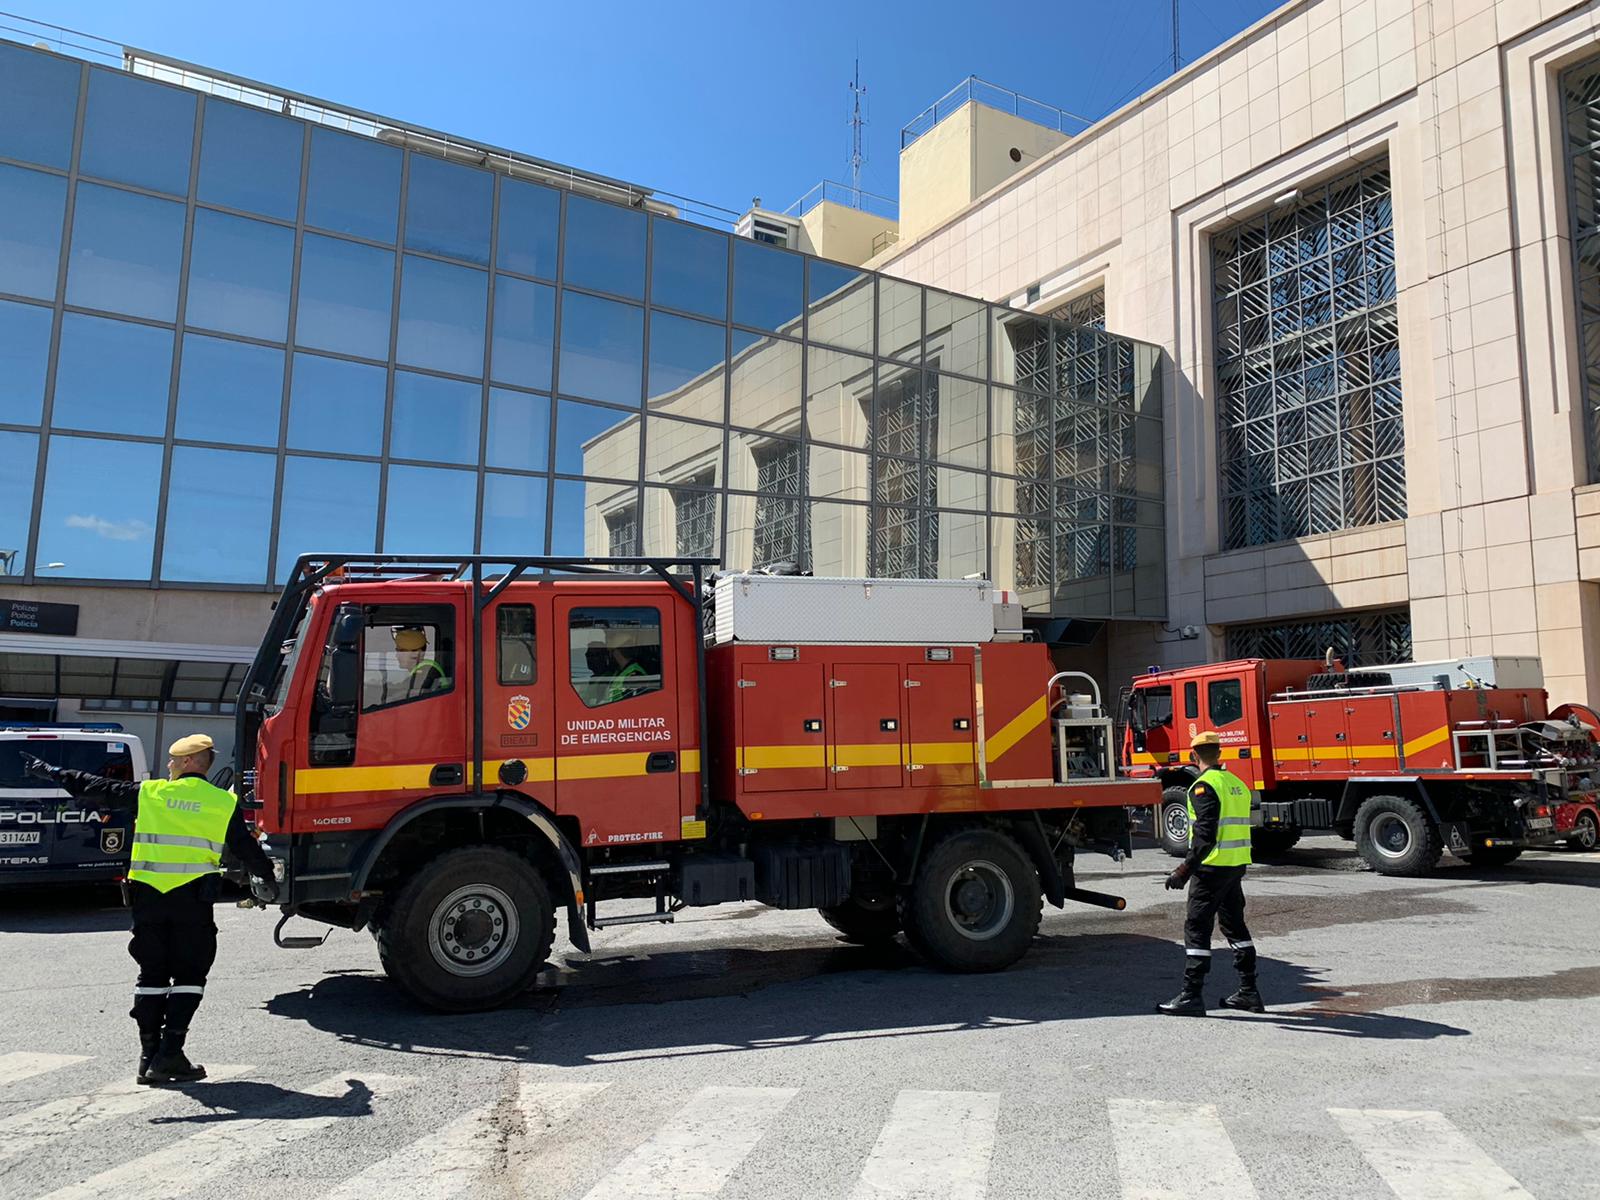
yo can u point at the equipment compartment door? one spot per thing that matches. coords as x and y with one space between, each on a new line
781 739
865 735
940 725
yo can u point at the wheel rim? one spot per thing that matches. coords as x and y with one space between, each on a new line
1391 836
1177 823
1587 833
473 930
979 901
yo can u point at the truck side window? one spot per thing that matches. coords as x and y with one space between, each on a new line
615 653
1226 700
1191 700
409 654
517 655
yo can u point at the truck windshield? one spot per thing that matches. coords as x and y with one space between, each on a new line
288 659
100 756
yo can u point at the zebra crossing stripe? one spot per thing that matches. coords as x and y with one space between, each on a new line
185 1165
1167 1150
447 1163
699 1148
20 1064
1422 1156
61 1120
935 1146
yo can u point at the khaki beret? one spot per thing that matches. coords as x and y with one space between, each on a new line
195 743
410 639
1208 738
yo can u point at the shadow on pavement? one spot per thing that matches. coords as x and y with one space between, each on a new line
63 908
236 1100
688 1002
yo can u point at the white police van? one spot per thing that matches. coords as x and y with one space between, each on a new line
45 835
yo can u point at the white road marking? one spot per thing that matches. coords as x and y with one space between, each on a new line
61 1119
694 1153
1422 1156
1168 1151
21 1064
447 1163
185 1165
934 1146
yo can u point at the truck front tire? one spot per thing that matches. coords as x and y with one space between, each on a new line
469 931
1394 836
1172 821
975 903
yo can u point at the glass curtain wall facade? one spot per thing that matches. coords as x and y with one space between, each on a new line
1308 365
1580 90
228 337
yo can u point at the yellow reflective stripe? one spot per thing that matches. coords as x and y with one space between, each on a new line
942 753
867 754
1339 751
176 839
1229 754
778 758
1427 741
689 761
600 766
1014 730
323 781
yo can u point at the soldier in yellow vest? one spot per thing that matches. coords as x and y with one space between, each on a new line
181 826
1219 854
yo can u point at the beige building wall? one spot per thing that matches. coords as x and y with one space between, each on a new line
844 234
1500 552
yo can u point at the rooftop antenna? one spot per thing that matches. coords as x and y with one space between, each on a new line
1175 62
857 124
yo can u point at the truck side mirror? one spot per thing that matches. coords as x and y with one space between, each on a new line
344 663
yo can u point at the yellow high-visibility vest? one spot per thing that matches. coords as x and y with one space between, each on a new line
180 831
1233 826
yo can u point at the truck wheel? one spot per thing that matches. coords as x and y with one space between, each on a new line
1585 832
1494 856
1395 837
870 921
975 903
1272 843
1172 821
469 931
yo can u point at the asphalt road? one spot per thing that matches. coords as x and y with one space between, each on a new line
1432 1040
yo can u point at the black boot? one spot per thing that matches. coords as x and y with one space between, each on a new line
171 1065
1189 1002
1246 999
149 1047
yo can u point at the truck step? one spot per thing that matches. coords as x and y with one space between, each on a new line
665 918
649 868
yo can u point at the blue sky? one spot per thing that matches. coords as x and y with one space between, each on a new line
717 101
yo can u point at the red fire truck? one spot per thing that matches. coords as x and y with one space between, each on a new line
449 751
1407 760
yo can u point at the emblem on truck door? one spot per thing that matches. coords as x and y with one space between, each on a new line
519 712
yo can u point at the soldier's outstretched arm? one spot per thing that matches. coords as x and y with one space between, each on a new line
113 793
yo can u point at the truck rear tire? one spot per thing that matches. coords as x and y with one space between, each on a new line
1172 821
469 931
1394 836
1272 843
975 903
871 923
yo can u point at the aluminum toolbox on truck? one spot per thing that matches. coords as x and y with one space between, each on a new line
801 609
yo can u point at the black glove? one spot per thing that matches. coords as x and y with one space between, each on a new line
38 768
1179 877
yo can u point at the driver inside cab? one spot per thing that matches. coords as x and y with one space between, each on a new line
417 674
616 673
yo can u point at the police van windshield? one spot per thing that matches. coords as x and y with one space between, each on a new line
99 756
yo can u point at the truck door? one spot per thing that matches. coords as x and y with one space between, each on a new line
1151 726
1226 713
864 734
939 725
780 714
617 735
518 714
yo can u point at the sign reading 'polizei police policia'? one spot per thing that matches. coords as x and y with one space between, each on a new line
26 616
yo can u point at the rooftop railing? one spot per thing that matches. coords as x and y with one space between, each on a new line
832 192
973 90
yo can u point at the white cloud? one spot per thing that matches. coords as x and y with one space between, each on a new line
114 531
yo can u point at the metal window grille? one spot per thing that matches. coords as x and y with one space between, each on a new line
780 474
622 532
695 517
1358 639
1309 417
1088 310
1580 88
905 484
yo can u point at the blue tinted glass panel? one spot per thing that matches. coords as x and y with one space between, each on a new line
435 419
524 332
602 349
354 185
239 272
138 132
38 107
346 292
766 286
328 505
429 510
31 207
19 457
24 355
442 316
686 361
111 376
567 530
530 228
250 159
127 251
689 269
591 440
513 514
219 516
99 514
605 247
448 207
336 406
519 430
229 392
